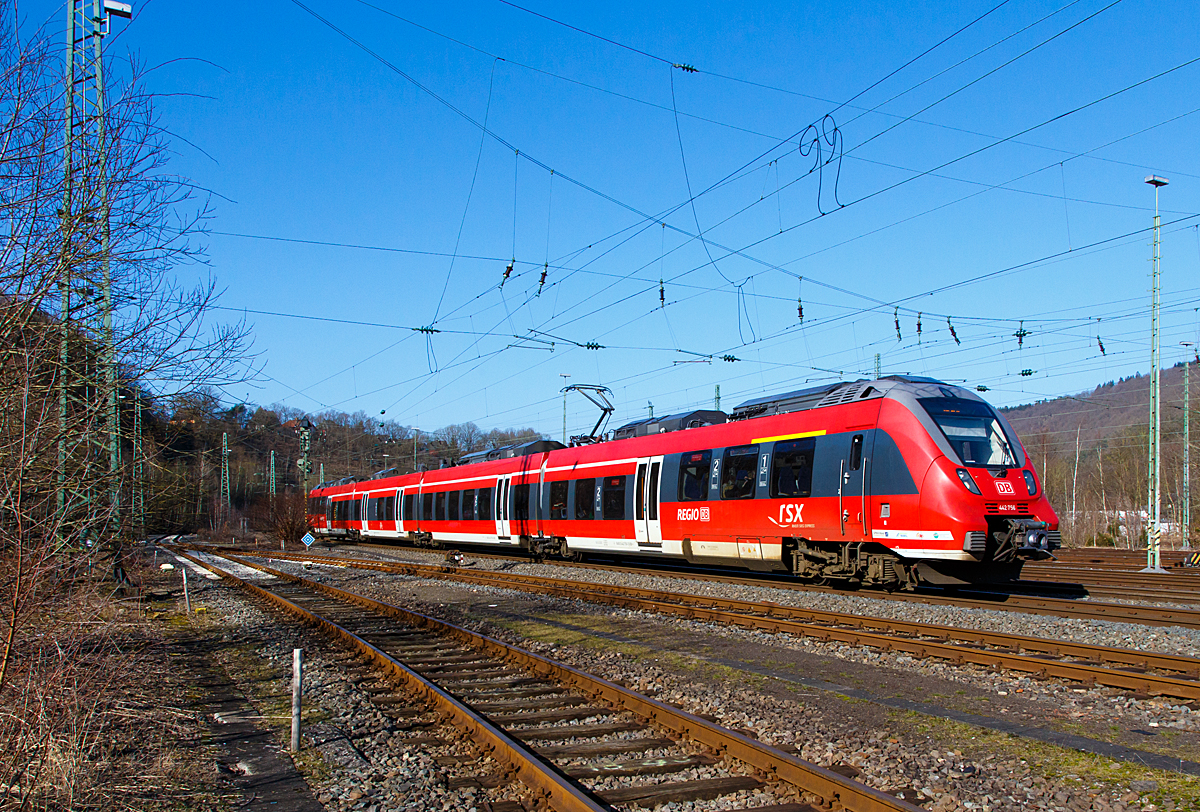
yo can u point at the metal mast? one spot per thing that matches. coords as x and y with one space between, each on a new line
1154 488
86 207
272 473
138 505
225 475
1187 448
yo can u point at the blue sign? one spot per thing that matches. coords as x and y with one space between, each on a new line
308 539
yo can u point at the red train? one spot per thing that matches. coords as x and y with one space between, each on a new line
888 483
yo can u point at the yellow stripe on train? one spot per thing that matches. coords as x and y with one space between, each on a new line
799 436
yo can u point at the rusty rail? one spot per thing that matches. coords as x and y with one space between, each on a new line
836 790
1013 600
922 640
561 793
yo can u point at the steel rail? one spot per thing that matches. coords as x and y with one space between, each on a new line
922 640
835 789
1007 601
561 793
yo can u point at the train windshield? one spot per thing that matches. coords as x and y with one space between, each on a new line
973 431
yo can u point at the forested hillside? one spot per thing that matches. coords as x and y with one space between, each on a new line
1100 492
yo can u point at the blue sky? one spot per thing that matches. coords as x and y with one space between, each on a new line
302 134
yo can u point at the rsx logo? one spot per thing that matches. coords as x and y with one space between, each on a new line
789 514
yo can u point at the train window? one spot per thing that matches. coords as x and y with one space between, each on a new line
693 476
439 506
521 503
792 467
614 497
737 478
408 508
585 499
856 452
389 513
453 499
558 500
485 504
654 466
972 431
427 506
468 506
372 509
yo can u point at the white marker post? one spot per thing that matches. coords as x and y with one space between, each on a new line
187 601
297 680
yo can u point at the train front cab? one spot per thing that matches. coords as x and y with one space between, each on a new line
978 488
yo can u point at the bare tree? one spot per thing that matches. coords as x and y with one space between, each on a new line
113 221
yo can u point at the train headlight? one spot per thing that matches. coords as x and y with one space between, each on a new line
967 482
1030 483
1035 539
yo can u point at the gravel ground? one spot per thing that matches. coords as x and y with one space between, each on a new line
365 761
1166 639
948 779
1065 698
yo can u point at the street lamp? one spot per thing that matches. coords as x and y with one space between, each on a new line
1154 537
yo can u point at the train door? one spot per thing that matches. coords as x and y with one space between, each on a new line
854 486
501 512
646 524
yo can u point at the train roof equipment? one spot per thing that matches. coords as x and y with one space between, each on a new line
818 397
516 450
672 422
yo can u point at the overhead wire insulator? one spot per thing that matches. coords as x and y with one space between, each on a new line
982 388
508 272
800 302
896 316
592 345
1019 335
953 332
542 281
662 294
919 314
1025 373
730 358
684 68
1101 343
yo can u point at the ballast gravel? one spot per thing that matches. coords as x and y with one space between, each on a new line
367 764
946 780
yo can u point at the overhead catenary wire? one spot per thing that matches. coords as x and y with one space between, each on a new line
741 293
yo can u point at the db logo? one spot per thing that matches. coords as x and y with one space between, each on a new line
693 514
1005 487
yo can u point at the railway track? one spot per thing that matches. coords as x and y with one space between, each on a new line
975 599
1126 669
557 728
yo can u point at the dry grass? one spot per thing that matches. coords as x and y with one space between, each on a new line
82 719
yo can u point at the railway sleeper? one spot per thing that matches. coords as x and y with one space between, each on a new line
660 765
559 732
681 792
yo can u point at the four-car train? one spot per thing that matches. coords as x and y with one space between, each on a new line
886 482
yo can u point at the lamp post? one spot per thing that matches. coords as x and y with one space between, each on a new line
564 376
1154 537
